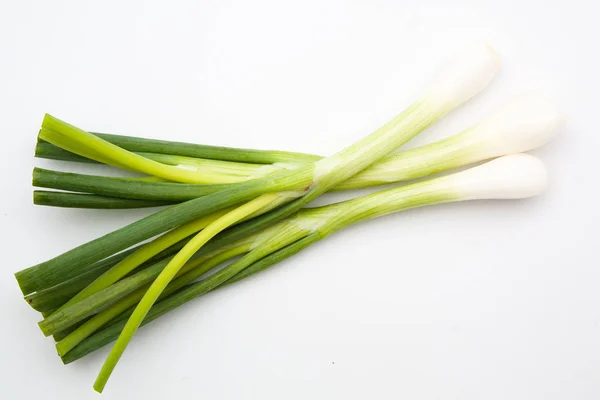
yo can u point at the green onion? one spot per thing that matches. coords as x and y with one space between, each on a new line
83 200
501 132
53 297
150 250
60 268
199 266
144 145
77 141
79 298
50 151
510 177
130 188
141 255
48 300
58 336
71 314
507 130
463 78
88 304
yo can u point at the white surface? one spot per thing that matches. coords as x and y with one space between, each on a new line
487 300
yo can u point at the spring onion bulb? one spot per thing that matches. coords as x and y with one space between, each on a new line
527 122
514 176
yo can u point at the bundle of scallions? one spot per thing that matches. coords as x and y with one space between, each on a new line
234 212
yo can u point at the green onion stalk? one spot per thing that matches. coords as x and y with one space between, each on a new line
527 122
498 134
523 124
466 75
50 299
483 63
192 151
456 85
510 177
507 130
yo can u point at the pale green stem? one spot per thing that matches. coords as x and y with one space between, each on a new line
453 152
150 249
74 147
167 275
285 232
199 265
143 254
77 141
230 168
328 173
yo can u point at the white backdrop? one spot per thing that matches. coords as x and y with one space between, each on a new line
487 300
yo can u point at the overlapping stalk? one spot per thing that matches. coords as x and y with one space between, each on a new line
88 299
509 177
464 78
490 138
505 131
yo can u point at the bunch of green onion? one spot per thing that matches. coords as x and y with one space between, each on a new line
234 212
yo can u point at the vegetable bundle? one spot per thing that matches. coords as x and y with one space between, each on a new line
234 212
